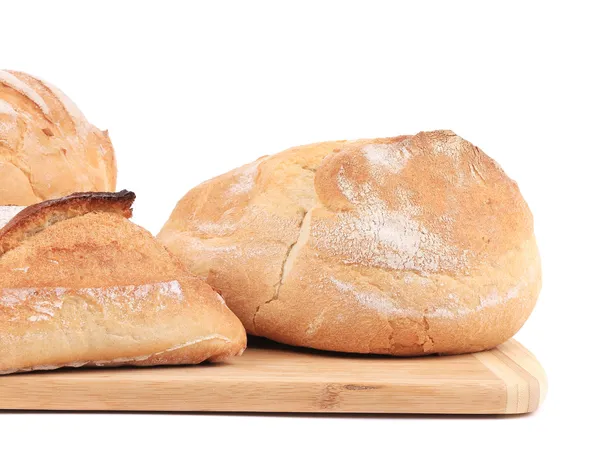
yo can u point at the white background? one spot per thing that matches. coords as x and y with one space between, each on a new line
189 90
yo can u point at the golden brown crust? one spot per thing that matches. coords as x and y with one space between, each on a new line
105 292
408 245
47 147
36 218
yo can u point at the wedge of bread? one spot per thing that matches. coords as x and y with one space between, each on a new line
82 285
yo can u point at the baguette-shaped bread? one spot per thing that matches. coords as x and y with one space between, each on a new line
48 149
408 246
82 285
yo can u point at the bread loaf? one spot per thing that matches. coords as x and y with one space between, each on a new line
47 147
408 246
82 285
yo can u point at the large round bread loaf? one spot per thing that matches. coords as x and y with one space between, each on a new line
409 245
47 147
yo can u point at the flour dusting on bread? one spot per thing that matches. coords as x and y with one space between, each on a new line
43 303
386 157
23 88
7 109
81 124
409 245
375 235
49 148
372 300
246 177
79 282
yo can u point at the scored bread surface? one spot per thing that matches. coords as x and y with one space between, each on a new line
48 149
105 293
409 245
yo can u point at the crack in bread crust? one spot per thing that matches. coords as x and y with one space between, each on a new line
438 236
302 225
34 219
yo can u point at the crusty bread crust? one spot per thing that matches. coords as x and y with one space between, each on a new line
105 292
48 149
37 217
408 246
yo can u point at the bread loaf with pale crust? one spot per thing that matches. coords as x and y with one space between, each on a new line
408 246
48 149
82 285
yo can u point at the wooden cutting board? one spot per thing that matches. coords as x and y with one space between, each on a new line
276 378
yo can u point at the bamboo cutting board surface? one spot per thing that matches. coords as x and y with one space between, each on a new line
276 378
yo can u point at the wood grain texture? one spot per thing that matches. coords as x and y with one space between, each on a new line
276 378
